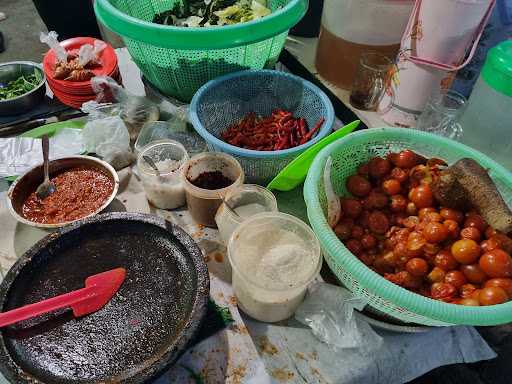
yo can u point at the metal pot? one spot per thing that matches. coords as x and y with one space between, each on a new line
21 104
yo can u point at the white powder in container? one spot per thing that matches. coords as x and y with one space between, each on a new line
272 266
165 191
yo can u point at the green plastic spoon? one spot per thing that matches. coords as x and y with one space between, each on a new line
295 172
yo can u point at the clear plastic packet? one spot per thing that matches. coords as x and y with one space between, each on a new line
105 134
134 110
329 311
89 55
51 40
19 154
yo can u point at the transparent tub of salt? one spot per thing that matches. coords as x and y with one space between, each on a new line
164 189
246 200
274 256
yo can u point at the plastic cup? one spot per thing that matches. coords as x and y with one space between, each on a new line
274 256
247 200
203 203
164 190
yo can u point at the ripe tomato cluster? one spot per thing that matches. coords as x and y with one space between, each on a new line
394 225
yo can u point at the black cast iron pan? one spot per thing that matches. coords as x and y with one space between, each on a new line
138 334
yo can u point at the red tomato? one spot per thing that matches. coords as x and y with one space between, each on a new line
398 203
421 196
436 275
422 213
358 186
406 159
492 296
357 232
433 216
445 260
490 232
367 258
435 232
489 245
455 278
399 174
502 282
469 302
417 267
452 214
411 209
391 186
368 241
466 251
452 227
376 199
474 273
496 263
443 291
467 290
475 220
471 233
351 207
363 218
354 246
379 167
363 170
504 241
378 222
343 231
400 250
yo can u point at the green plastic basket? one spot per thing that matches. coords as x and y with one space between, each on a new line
382 295
178 61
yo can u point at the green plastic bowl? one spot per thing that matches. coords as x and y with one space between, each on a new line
382 295
178 61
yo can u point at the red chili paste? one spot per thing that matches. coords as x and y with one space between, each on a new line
80 191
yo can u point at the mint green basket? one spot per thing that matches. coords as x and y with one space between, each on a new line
382 295
178 61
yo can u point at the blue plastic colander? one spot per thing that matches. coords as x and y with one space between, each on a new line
227 99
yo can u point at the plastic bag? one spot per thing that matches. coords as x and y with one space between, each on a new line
329 312
51 40
89 55
106 134
19 154
135 110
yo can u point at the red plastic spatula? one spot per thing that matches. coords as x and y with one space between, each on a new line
98 291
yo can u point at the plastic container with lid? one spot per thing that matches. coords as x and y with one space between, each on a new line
247 200
487 121
274 256
351 27
164 190
203 203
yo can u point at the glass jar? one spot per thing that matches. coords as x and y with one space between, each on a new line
163 187
372 80
442 114
246 201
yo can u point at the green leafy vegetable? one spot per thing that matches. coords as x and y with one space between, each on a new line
199 13
20 86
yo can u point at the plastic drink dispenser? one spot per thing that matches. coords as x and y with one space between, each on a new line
487 121
351 27
440 38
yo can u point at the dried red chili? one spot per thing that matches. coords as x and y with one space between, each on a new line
277 132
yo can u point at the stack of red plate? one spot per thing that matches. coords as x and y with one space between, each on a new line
75 93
